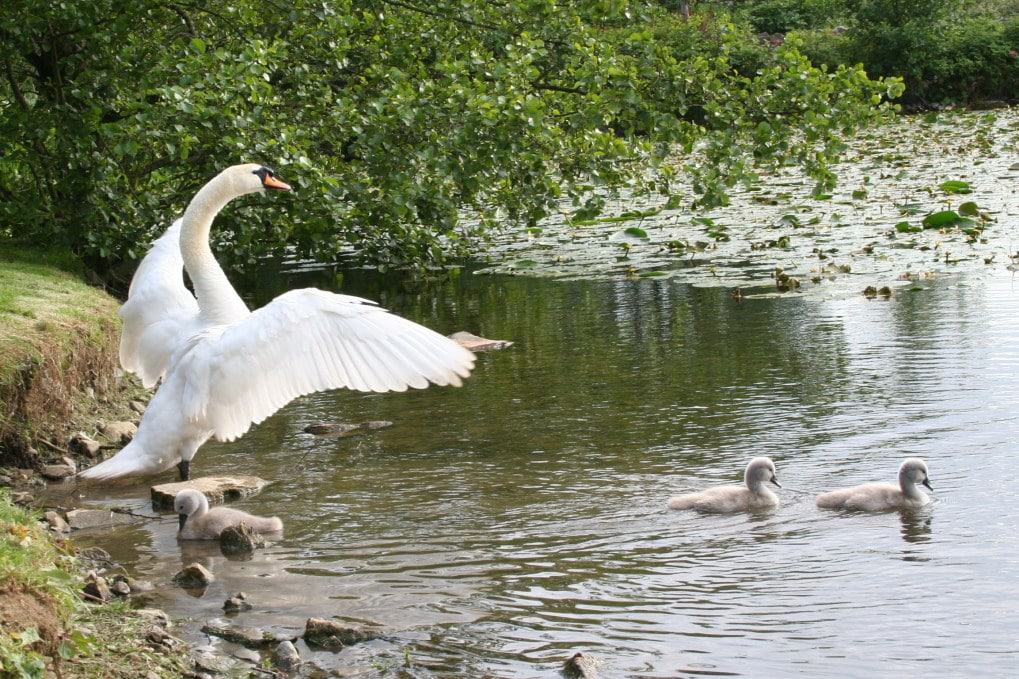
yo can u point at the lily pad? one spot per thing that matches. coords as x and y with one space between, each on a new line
955 186
939 220
969 209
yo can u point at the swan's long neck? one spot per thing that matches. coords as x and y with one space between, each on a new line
217 299
908 486
756 484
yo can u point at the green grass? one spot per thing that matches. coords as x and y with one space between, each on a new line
59 632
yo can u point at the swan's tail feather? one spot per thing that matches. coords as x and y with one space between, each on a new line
130 461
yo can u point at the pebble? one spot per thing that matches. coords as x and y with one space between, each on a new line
82 444
97 589
286 657
56 522
237 603
119 432
194 575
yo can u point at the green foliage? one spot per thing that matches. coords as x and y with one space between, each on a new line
391 118
782 16
946 51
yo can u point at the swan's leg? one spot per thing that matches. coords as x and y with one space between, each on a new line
184 468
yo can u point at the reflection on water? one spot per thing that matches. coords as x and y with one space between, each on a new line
496 529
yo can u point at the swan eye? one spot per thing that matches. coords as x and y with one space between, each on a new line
263 172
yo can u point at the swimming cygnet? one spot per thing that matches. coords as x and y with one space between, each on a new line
874 497
198 522
755 495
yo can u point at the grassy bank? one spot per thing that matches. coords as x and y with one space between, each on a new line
58 355
46 627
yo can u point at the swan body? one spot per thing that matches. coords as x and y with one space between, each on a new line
728 499
198 522
874 497
225 368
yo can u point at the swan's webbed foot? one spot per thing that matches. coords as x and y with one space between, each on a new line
184 467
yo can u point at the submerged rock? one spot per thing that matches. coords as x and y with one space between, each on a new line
249 637
194 575
237 603
240 539
333 635
286 658
211 663
81 519
475 343
217 489
346 429
581 666
57 472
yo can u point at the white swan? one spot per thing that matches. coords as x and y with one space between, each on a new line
160 311
754 495
198 522
873 497
227 368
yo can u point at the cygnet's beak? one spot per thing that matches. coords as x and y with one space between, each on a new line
181 520
927 482
774 479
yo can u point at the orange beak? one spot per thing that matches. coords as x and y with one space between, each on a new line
271 182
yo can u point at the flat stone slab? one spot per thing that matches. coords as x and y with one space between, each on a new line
81 519
249 637
475 343
218 489
333 635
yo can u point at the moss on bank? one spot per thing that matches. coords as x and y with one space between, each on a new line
58 354
46 628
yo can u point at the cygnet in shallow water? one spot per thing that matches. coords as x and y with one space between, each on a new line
198 522
755 495
874 497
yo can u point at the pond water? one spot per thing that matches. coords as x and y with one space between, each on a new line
496 529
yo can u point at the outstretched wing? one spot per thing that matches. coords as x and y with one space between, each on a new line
306 341
159 310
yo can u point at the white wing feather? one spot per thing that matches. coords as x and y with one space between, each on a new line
159 310
302 342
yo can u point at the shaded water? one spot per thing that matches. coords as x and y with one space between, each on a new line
498 528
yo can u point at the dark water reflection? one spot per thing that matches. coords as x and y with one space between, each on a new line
497 528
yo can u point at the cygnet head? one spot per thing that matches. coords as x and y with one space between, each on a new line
760 470
914 470
186 503
251 177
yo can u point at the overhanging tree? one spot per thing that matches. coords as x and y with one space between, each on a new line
392 117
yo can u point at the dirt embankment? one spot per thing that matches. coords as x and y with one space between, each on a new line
58 358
